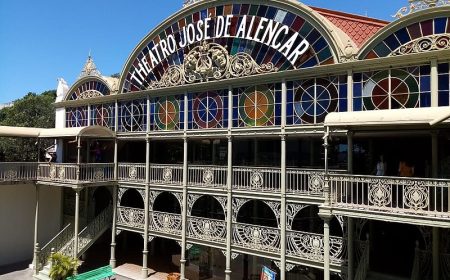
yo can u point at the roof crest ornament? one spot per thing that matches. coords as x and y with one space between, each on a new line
419 5
89 69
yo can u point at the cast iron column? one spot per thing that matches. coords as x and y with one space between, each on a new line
184 210
36 228
77 221
229 207
112 261
283 183
144 273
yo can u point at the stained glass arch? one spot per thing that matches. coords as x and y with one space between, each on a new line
88 87
297 37
422 31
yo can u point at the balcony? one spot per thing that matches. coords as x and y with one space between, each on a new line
62 173
415 200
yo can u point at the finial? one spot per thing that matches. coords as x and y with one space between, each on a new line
89 68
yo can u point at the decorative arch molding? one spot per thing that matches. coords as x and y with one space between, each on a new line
121 191
422 31
88 87
155 194
163 59
275 206
193 198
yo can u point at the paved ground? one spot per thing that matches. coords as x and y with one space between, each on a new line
17 272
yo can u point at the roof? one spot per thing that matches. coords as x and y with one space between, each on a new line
360 29
28 132
385 118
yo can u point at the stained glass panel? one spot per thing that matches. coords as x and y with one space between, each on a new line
392 89
103 115
393 42
309 101
146 68
89 89
77 117
132 116
257 106
168 113
208 109
444 84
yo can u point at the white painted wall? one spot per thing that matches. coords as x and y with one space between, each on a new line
17 209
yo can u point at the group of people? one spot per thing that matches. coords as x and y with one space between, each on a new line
405 168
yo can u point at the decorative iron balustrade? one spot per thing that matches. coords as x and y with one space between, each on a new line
60 172
410 196
18 171
73 173
132 172
166 223
207 229
257 179
57 243
166 174
90 233
130 217
310 246
207 176
256 237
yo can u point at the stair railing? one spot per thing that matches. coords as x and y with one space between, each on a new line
57 243
90 233
363 265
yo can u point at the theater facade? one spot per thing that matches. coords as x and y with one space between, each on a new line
247 135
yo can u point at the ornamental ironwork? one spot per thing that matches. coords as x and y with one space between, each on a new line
132 173
416 197
166 222
11 175
256 180
207 229
208 176
167 175
315 182
134 218
380 194
310 246
429 43
419 5
211 61
257 237
99 175
89 94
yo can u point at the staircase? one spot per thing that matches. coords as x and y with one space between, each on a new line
63 242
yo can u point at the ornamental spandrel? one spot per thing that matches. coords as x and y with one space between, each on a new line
208 62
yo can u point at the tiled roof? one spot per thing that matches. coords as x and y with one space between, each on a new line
358 28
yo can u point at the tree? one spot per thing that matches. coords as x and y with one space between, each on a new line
116 75
33 110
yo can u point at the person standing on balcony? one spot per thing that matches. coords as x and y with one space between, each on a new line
380 169
405 169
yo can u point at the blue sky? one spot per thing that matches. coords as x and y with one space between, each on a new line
41 41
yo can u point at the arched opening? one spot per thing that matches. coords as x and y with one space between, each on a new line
205 263
168 203
133 199
256 212
392 247
208 207
129 248
102 199
308 220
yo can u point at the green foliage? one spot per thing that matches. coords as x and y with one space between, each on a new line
33 110
62 266
116 75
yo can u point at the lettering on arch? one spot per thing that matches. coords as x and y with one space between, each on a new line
269 37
